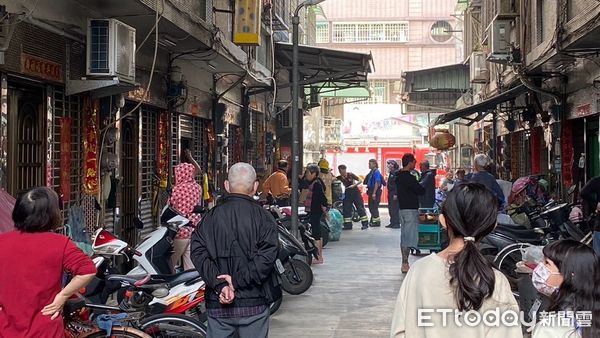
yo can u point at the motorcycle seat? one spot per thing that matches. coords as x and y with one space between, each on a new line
126 279
175 279
519 234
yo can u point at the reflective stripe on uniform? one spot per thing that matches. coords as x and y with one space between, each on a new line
364 219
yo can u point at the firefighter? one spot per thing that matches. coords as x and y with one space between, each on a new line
375 184
327 177
352 198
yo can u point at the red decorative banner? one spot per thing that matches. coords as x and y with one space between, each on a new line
65 157
90 147
536 141
162 162
41 68
567 153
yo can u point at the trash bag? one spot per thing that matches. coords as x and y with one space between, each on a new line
336 221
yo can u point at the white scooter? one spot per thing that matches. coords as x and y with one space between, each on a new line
153 255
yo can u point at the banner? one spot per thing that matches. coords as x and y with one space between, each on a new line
65 157
90 146
162 163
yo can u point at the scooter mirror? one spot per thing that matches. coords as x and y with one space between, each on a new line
138 223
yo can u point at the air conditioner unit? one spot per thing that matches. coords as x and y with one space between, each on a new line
479 71
500 48
110 49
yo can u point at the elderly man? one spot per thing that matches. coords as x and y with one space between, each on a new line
482 176
427 180
234 249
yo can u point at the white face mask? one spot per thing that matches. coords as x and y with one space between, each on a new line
540 279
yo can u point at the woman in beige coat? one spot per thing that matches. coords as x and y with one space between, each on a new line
457 293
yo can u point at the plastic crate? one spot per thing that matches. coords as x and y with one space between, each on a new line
429 236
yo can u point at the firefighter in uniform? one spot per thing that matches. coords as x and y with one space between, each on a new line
352 198
375 183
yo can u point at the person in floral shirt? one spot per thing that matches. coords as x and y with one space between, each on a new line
186 194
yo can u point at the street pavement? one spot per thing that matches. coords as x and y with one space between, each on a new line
353 293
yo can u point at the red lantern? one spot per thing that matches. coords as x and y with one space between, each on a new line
442 140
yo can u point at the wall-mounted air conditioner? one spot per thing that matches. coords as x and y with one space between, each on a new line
110 49
500 47
479 71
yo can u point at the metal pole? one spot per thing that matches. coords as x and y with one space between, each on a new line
494 142
295 121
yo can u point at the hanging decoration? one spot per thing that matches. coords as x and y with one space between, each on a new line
535 146
90 146
442 140
65 157
211 139
162 162
567 151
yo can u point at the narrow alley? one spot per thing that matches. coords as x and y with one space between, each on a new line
354 292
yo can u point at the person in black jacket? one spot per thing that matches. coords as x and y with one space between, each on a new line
427 200
234 249
316 205
408 191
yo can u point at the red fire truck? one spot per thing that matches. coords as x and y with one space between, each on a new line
357 159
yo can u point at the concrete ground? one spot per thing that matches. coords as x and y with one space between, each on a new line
353 293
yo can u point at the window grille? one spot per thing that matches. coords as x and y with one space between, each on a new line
322 32
370 32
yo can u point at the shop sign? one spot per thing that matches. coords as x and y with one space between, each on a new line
584 110
139 94
38 67
247 23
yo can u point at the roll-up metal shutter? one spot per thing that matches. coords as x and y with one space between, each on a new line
149 120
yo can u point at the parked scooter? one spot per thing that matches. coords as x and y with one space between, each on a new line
153 254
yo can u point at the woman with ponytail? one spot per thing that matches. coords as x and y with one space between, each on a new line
457 292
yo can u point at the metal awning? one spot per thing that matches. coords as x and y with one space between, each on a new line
434 90
326 69
481 108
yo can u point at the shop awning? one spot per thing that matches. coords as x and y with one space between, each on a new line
331 71
481 108
434 90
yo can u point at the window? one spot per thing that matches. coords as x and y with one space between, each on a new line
370 32
441 31
322 32
344 32
379 91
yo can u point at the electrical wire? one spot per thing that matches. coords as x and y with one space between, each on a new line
21 19
153 29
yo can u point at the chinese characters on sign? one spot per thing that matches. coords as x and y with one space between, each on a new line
90 146
39 67
65 157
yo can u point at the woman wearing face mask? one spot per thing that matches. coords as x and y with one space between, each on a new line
570 276
465 281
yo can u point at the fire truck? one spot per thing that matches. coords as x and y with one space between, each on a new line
357 159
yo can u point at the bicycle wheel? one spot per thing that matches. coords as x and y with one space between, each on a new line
120 332
173 325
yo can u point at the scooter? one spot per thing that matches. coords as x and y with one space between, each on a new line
282 216
153 254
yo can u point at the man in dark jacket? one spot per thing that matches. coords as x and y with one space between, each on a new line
393 208
409 191
234 249
427 200
482 176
